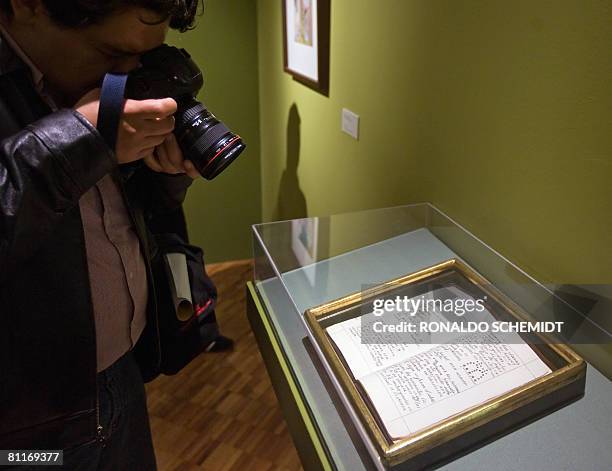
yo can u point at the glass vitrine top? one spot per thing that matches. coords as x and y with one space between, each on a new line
320 259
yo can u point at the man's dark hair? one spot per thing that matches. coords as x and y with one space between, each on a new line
81 13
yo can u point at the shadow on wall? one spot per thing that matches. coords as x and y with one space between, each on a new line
291 202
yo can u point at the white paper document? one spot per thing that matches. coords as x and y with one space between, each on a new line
415 385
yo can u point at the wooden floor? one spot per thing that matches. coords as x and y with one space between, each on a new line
220 412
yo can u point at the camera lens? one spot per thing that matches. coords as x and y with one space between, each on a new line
205 140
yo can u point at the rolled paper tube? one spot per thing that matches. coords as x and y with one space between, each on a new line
183 303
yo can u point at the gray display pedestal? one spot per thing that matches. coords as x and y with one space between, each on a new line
575 437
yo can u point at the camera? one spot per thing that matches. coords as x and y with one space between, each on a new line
167 71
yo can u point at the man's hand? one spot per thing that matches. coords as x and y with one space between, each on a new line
145 132
168 158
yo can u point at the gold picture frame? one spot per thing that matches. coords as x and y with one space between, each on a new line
475 425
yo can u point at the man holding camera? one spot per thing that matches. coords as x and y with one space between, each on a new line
77 306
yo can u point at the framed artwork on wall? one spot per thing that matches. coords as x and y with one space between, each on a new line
306 25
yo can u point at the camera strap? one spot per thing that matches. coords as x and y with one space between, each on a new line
111 107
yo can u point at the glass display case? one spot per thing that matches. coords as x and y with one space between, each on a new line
305 263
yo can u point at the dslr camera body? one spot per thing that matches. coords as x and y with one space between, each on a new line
170 72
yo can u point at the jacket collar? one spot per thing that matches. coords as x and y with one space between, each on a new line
9 61
16 54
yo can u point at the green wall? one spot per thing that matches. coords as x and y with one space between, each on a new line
224 45
497 112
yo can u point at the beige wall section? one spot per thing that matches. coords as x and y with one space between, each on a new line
224 45
497 112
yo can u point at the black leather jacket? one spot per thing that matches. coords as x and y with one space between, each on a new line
48 394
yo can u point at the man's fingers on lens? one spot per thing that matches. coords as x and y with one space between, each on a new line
158 126
151 142
169 164
173 152
153 108
190 169
151 162
150 109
